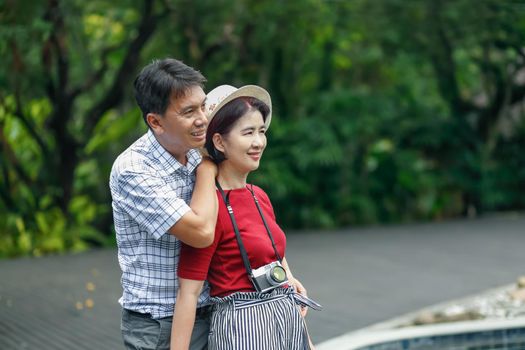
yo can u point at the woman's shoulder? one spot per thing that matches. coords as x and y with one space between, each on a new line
255 188
259 192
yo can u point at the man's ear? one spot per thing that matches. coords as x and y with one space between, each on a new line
154 122
218 142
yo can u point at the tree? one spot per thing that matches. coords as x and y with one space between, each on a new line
67 65
384 111
475 57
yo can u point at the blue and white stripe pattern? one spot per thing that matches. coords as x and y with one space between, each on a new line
150 191
258 321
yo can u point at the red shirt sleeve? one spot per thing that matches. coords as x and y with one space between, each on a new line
264 200
194 263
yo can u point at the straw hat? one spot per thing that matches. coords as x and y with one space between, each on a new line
223 94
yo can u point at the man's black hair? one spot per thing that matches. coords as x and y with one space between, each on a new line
162 79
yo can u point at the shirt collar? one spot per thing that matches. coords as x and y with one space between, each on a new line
168 162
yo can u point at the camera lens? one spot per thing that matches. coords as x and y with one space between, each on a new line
278 274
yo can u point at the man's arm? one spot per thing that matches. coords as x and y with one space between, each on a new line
184 315
196 227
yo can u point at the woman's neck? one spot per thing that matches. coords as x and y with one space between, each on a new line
229 178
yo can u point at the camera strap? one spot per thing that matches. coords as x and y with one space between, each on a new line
265 224
244 255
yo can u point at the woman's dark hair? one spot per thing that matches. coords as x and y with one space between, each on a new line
162 79
225 119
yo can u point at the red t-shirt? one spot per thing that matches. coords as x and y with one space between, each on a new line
221 263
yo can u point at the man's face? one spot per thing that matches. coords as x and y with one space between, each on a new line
183 125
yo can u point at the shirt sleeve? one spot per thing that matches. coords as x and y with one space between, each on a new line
149 200
194 263
263 197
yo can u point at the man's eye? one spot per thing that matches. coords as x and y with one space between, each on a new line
189 112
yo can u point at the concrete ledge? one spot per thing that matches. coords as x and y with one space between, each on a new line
358 339
398 328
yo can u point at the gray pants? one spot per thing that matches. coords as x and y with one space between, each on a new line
141 332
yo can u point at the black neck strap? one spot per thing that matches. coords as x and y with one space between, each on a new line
244 255
265 224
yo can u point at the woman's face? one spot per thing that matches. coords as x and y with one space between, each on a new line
244 144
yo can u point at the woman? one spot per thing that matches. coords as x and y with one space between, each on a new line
254 305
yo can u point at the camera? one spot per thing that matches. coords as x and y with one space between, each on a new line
269 276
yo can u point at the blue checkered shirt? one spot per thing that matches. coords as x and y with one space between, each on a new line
150 191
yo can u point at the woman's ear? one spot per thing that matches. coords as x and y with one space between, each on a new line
218 142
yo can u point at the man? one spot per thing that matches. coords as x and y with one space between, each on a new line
162 194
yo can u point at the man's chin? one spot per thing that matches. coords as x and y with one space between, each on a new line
197 145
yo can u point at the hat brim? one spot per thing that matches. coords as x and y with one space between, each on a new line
247 91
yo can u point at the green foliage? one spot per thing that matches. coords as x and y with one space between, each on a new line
385 111
346 143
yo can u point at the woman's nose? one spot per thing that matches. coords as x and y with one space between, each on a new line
258 140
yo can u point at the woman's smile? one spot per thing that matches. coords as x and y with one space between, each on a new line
255 155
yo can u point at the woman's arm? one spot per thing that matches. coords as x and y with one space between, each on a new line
197 226
184 315
301 290
295 283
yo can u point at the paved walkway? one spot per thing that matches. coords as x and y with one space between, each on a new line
361 276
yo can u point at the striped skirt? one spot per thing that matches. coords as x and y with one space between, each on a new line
257 321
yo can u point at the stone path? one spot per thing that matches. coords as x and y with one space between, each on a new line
361 276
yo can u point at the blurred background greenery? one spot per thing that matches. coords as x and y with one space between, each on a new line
385 111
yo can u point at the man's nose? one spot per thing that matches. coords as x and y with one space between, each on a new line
201 118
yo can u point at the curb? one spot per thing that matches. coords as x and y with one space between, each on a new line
391 330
